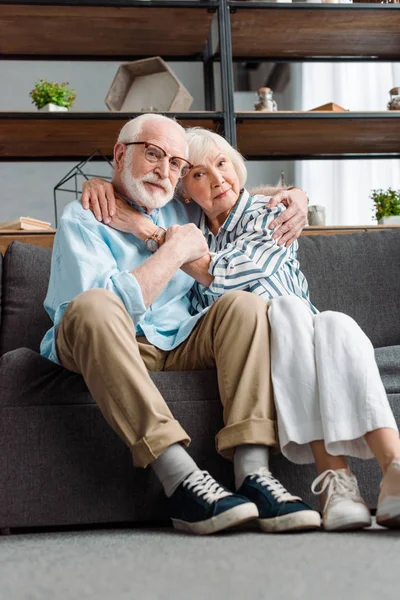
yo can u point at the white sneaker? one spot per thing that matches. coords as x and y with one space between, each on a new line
388 511
344 508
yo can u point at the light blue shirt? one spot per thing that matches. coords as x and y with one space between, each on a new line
88 254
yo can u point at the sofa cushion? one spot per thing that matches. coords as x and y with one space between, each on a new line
345 272
1 279
357 274
388 360
61 463
28 379
25 279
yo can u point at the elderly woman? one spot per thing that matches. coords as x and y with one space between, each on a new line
329 397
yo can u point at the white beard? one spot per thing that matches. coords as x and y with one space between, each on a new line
135 188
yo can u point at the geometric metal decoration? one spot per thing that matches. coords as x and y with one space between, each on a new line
78 174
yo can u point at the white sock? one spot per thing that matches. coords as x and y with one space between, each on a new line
247 459
172 467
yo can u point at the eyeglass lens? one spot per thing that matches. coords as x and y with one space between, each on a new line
177 165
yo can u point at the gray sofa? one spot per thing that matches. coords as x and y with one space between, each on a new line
61 464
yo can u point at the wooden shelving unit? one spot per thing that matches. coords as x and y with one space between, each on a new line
74 135
302 31
313 134
176 30
105 30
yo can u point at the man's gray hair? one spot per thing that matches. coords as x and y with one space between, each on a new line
202 141
132 129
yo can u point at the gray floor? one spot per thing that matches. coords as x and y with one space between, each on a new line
163 564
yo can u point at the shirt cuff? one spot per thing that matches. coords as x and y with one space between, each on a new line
217 268
128 289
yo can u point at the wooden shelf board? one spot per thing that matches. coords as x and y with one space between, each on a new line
344 229
103 31
45 239
39 136
307 134
290 32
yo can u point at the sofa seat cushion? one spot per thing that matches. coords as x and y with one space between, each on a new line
28 379
388 360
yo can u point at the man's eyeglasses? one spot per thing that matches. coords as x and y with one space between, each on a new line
154 154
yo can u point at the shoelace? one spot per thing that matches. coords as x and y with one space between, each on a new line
338 483
265 478
204 485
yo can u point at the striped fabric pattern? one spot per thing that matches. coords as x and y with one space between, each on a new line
246 257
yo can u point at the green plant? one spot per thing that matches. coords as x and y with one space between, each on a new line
45 92
386 203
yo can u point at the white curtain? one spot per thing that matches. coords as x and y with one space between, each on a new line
344 186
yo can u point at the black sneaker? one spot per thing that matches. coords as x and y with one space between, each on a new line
202 506
278 510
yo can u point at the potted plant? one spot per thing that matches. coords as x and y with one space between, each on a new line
386 206
52 96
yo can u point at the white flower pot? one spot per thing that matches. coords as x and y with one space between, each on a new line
393 220
53 108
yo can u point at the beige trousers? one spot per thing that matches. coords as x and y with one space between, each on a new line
96 337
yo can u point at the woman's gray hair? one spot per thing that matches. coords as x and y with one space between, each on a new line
132 129
202 141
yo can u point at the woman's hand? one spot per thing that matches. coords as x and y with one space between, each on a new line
291 222
127 219
172 229
98 195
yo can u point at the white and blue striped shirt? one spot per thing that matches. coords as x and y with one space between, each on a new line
244 256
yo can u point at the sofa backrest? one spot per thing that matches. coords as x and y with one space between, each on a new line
1 267
25 279
358 274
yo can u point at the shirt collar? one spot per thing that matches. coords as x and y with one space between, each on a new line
233 217
153 215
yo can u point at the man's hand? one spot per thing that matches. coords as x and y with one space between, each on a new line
98 195
291 222
188 240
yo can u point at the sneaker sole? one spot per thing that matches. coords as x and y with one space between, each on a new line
299 521
390 513
347 524
229 518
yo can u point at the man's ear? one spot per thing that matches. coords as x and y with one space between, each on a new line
119 156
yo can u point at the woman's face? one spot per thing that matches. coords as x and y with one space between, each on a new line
214 185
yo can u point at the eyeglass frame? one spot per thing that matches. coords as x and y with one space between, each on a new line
147 144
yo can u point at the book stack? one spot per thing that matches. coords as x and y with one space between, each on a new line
26 223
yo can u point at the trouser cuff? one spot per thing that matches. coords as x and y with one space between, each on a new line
250 431
146 450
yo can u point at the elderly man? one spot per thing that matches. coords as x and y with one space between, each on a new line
120 309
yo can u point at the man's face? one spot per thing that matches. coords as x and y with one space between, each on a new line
153 184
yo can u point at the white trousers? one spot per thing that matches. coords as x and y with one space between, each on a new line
326 382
